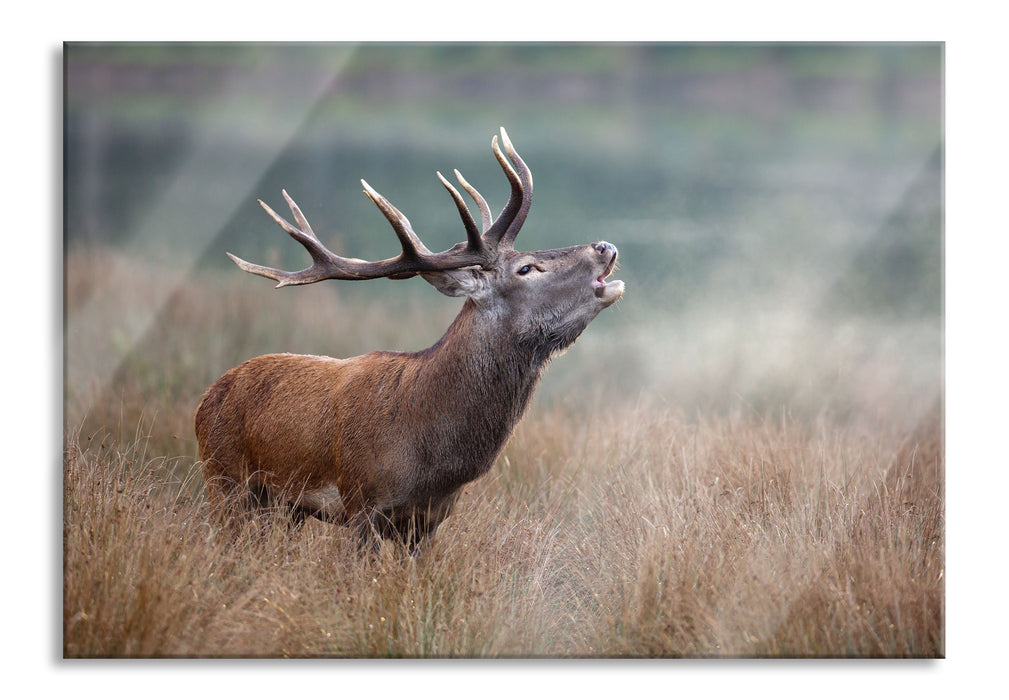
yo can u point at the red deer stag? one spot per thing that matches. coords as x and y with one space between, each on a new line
383 442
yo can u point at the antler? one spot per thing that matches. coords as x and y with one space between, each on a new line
504 230
478 249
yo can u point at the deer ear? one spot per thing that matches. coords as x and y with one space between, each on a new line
466 282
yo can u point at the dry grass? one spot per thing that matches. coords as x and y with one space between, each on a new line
621 529
650 536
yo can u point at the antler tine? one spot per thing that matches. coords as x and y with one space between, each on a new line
413 247
260 270
305 236
473 237
325 265
481 203
303 224
510 220
526 177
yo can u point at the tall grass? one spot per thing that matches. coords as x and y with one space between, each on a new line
613 526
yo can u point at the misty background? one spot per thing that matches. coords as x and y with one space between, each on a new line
778 207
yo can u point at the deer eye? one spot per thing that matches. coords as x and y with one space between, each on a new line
525 269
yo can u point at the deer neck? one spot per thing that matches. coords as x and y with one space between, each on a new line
481 364
476 383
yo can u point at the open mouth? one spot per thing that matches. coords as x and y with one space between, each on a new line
600 281
608 291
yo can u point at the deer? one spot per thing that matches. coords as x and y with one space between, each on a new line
383 442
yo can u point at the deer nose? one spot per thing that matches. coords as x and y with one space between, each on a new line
604 248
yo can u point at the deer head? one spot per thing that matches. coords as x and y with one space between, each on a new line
395 435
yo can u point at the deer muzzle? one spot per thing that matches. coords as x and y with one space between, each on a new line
608 292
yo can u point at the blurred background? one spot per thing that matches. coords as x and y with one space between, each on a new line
778 207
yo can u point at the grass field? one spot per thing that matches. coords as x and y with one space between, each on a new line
800 516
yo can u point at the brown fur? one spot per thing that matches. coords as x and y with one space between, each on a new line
383 442
397 434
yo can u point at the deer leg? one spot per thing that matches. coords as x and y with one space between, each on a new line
365 532
226 495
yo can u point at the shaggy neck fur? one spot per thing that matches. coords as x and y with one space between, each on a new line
478 383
